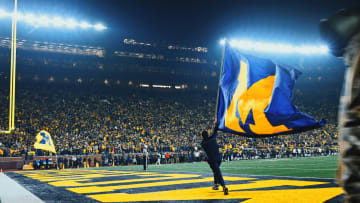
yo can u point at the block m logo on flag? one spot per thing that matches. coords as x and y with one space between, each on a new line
255 97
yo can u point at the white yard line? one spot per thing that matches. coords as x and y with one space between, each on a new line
11 191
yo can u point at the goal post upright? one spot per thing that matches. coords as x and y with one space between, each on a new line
12 74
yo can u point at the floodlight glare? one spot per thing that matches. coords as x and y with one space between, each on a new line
20 16
58 22
71 23
324 49
85 25
30 18
99 27
222 42
4 13
281 48
45 21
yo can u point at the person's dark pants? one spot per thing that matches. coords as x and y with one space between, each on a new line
145 163
215 167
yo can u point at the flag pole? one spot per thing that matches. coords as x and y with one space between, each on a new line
220 74
56 162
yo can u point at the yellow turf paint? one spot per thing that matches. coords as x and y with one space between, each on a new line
292 195
73 177
77 177
316 195
75 171
77 183
96 189
90 181
49 176
274 183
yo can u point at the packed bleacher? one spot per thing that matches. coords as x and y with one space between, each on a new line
117 125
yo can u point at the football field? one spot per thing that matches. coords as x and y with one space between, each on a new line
315 167
273 180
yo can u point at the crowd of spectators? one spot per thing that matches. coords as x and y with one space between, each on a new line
119 124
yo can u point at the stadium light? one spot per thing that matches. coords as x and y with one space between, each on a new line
99 27
44 21
84 25
71 23
280 48
47 21
58 22
4 13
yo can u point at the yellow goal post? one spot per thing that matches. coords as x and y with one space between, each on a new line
12 74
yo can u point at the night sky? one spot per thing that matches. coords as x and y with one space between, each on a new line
184 22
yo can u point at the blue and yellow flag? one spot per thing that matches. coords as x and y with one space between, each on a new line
255 97
44 141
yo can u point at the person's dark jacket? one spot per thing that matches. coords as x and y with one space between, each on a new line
211 147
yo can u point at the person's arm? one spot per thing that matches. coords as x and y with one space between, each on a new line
214 133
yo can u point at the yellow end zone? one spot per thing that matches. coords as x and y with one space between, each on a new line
181 186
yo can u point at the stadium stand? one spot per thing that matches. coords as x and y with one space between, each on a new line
111 121
83 123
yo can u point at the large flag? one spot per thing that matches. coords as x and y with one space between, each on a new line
44 141
255 97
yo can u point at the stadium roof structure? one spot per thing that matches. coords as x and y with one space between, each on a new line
54 47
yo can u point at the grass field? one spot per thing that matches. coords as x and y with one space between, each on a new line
316 167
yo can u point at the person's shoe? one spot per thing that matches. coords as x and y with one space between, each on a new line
216 187
226 191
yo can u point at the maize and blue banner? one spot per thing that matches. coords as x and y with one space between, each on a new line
255 97
44 141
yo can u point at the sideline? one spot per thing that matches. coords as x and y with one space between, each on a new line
11 191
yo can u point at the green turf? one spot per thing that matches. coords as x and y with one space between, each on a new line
317 167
